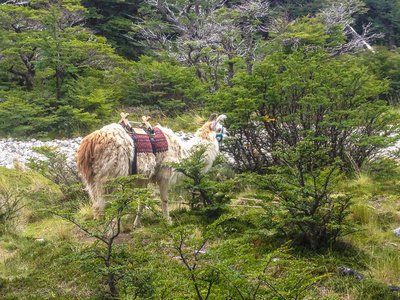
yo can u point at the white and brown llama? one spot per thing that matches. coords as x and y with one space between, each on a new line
109 153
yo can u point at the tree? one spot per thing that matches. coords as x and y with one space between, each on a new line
204 34
298 8
113 20
300 95
19 31
205 189
385 64
114 263
304 186
170 87
69 73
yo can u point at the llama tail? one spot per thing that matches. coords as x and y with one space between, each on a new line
85 157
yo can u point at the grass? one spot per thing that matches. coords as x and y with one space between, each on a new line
35 250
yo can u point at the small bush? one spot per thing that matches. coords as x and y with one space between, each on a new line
115 264
307 207
11 203
63 173
207 193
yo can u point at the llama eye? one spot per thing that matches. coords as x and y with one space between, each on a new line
219 130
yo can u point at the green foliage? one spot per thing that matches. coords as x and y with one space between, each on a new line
207 191
49 55
232 268
293 97
114 22
305 190
299 8
385 17
278 275
118 265
11 203
62 172
170 87
385 65
304 31
20 115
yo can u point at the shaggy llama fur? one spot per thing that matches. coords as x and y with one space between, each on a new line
108 153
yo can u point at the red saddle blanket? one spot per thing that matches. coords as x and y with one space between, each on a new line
143 143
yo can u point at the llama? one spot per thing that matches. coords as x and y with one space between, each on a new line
109 152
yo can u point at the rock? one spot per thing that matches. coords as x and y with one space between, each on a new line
345 271
397 231
21 151
394 288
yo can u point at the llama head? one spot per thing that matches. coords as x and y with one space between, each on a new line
213 128
220 131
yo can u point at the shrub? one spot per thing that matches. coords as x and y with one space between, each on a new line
117 264
300 95
11 203
232 267
206 190
59 170
307 206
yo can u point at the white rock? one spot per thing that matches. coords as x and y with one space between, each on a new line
397 231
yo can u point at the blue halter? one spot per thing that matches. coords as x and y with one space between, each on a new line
220 136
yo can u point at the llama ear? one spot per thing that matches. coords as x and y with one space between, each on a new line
221 118
213 125
212 117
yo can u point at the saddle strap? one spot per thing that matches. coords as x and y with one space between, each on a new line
129 130
134 160
150 133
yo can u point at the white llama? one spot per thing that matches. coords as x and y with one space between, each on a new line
108 153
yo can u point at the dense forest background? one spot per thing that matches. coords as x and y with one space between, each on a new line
66 66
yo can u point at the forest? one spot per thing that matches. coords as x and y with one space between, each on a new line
302 202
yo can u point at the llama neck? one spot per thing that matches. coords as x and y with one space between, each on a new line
212 148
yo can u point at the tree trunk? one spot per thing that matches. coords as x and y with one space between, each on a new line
59 75
249 67
27 77
111 284
392 42
230 73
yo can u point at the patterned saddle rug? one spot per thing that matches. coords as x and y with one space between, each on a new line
144 143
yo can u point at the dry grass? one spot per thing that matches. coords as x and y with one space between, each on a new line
53 229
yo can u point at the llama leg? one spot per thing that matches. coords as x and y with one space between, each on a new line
98 207
99 204
139 184
164 200
137 223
